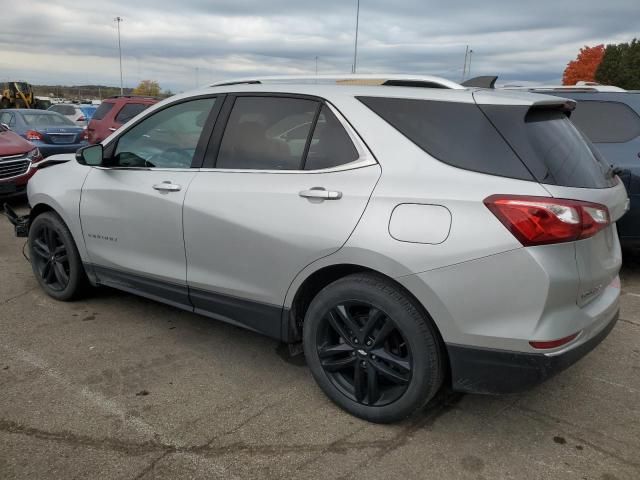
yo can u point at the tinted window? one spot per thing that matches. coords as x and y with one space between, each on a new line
330 144
606 122
63 109
266 133
46 119
553 149
455 133
129 111
166 139
103 109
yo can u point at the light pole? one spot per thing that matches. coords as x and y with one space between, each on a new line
469 69
355 48
316 65
118 20
464 68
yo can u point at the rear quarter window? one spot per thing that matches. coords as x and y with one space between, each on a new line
606 122
455 133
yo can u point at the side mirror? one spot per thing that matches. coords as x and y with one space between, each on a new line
5 126
91 155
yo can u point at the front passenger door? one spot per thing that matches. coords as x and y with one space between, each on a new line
131 209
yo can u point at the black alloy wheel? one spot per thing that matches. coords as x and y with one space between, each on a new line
50 258
364 354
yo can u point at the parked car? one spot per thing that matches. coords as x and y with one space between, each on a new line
422 236
49 131
610 117
114 112
17 162
78 114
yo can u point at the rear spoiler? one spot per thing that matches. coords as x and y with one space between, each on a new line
486 81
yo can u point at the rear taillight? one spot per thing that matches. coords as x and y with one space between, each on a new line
82 119
544 220
33 135
545 344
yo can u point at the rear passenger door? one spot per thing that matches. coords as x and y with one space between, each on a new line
285 182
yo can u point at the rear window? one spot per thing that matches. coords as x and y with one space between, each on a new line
64 109
454 133
46 120
129 111
551 147
606 122
102 110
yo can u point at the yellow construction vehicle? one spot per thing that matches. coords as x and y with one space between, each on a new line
17 95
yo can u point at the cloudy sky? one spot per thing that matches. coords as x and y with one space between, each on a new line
188 42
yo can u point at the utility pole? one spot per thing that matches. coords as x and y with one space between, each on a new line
464 68
469 68
316 65
118 20
355 48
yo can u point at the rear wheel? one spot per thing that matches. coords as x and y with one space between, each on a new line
55 259
371 349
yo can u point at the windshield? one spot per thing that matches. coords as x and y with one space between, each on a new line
46 120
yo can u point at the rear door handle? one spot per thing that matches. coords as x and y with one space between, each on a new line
321 193
111 129
167 187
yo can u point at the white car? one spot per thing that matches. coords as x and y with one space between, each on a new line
78 114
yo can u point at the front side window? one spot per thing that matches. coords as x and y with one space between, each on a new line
166 139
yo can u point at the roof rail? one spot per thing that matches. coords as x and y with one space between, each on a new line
566 88
148 97
422 81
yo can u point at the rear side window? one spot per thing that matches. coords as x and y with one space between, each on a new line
330 144
606 122
129 111
103 109
266 133
454 133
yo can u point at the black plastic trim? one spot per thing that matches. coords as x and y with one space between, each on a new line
256 316
259 317
482 370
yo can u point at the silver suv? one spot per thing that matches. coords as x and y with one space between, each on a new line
410 233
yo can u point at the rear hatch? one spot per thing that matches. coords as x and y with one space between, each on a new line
567 165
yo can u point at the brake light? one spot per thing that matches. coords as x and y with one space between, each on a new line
544 220
33 135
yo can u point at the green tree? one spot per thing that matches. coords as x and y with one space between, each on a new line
620 65
150 88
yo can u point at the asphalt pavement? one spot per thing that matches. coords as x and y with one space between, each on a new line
120 387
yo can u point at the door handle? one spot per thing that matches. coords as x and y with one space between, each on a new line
321 194
111 129
167 186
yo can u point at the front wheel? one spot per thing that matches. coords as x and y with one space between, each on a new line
55 259
371 348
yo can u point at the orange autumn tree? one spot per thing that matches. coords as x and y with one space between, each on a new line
584 66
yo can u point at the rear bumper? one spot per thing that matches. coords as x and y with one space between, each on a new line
483 370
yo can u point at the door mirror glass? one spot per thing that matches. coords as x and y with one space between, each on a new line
4 126
91 155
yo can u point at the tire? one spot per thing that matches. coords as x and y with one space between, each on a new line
392 365
55 260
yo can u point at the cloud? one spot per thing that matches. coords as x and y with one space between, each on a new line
199 41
